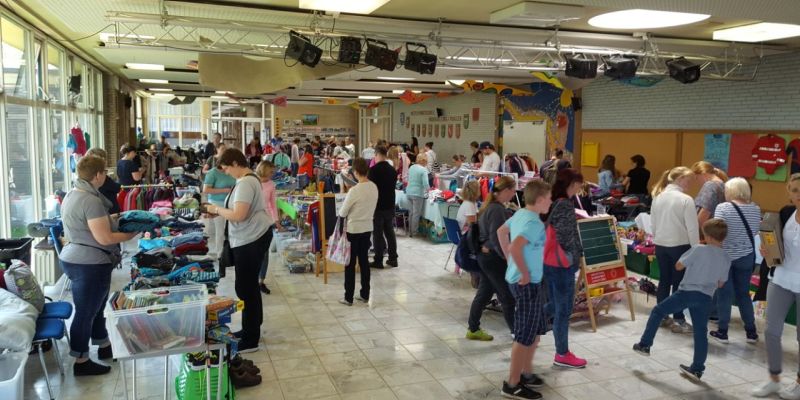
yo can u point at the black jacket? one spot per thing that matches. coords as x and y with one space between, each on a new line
384 176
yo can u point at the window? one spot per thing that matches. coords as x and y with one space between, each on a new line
55 72
15 68
58 165
19 145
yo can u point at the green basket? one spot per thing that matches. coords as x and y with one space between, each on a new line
638 263
654 270
191 385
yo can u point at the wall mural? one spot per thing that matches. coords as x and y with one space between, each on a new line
548 103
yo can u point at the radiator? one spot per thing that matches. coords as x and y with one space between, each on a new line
45 268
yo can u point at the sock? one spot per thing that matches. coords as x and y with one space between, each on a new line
89 367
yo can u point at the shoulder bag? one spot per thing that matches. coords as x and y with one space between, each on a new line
226 255
554 254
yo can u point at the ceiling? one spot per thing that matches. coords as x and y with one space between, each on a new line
466 31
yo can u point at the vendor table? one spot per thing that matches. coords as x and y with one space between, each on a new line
434 212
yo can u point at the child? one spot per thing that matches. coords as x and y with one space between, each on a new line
524 276
264 171
706 270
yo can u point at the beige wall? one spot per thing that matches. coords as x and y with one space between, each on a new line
329 116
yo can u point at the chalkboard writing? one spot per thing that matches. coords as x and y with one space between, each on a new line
329 214
600 242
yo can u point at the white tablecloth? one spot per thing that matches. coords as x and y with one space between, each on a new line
434 212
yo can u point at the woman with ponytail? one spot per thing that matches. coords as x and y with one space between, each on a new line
712 191
675 231
491 260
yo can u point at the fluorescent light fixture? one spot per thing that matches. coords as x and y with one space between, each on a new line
369 97
760 32
457 82
107 36
147 67
223 92
220 97
401 91
159 90
395 78
345 6
162 95
644 19
486 59
161 81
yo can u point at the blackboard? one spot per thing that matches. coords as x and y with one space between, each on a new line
328 214
600 241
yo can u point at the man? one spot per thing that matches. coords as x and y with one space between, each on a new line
295 156
385 178
211 149
558 160
491 160
430 155
201 144
350 146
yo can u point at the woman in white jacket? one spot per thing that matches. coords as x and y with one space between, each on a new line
675 231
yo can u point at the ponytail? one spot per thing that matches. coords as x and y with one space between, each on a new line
501 184
660 184
670 176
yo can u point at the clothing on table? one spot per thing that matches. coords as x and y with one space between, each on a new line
738 242
711 194
674 219
359 207
527 224
770 152
638 178
269 196
491 162
189 238
466 209
139 221
489 221
418 183
192 248
216 179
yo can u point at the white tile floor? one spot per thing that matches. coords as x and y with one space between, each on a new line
409 344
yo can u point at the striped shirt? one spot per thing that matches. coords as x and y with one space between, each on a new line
737 244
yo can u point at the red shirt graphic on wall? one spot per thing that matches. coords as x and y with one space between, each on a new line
770 152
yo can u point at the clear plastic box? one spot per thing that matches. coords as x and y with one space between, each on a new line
178 320
12 375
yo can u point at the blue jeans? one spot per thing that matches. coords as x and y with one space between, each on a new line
737 288
295 167
90 286
699 305
265 264
561 297
670 278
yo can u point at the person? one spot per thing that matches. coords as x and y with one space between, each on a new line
491 261
162 142
341 151
359 208
712 191
253 151
743 218
556 160
455 174
782 293
385 178
607 176
110 188
88 259
468 210
211 149
369 152
305 167
706 267
393 156
128 171
281 160
414 148
560 279
165 160
200 145
522 239
430 155
249 234
637 178
491 160
477 156
295 156
350 146
216 186
418 185
674 225
264 171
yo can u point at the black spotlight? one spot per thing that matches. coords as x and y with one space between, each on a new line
683 70
379 55
349 50
621 67
302 50
419 61
581 67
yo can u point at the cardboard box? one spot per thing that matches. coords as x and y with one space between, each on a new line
771 236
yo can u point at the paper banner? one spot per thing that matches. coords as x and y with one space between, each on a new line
278 101
331 102
780 175
487 87
741 161
717 149
548 79
354 105
409 97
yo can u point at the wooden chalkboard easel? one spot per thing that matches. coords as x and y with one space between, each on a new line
327 224
602 262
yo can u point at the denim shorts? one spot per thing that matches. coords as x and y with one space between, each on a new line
529 315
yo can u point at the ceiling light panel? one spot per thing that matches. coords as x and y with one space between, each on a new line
644 19
345 6
401 91
148 80
760 32
145 67
369 97
531 13
159 90
395 78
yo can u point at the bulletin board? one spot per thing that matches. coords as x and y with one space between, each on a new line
590 154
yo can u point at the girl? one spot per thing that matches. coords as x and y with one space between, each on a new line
306 167
264 171
607 175
468 210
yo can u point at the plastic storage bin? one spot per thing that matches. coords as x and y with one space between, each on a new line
178 320
638 263
15 249
12 375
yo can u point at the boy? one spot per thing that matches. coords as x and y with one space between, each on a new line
524 276
706 270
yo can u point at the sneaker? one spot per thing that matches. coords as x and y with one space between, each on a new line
105 353
643 350
376 265
791 392
264 289
480 334
692 375
569 360
532 380
392 263
242 379
721 337
247 348
238 334
345 302
681 327
667 322
519 392
765 389
362 299
752 337
88 368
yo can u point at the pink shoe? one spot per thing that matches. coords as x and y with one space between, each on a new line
569 360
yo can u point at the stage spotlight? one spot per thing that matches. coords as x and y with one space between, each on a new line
621 67
683 70
302 50
581 67
418 61
379 55
349 50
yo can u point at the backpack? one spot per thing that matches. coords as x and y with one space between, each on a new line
550 174
468 249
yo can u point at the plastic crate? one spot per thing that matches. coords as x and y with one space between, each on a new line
638 263
16 249
177 321
655 272
300 266
12 375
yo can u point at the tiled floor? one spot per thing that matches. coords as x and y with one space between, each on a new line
409 344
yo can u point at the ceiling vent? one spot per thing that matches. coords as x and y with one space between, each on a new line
540 15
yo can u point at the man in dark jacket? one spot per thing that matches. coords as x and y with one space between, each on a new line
385 177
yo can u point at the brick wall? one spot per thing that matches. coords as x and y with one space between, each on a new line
771 101
116 120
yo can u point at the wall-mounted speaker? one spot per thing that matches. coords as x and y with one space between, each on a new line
75 84
128 101
577 103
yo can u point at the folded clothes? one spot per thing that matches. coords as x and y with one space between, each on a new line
161 211
150 244
161 203
186 202
138 221
187 213
188 238
191 247
162 262
176 232
167 251
182 270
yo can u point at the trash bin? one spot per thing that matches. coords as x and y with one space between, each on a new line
12 375
15 249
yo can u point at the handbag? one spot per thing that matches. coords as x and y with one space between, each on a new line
554 254
338 245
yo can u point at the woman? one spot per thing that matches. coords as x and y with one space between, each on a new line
607 175
341 151
675 231
265 171
216 186
110 189
455 174
88 259
418 185
359 210
128 171
468 210
414 148
743 218
477 156
637 178
393 156
712 191
560 280
249 234
783 292
306 167
253 151
491 262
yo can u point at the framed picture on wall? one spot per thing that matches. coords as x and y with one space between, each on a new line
310 119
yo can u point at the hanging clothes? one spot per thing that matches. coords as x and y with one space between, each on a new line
76 135
770 152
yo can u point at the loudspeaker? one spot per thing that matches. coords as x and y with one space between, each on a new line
577 103
620 67
128 101
440 112
302 50
683 70
379 55
579 67
349 50
418 61
75 84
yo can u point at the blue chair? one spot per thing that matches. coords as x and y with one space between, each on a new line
453 234
49 330
55 234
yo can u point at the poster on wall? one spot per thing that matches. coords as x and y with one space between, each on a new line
717 149
458 131
402 118
476 114
465 121
779 174
740 162
450 129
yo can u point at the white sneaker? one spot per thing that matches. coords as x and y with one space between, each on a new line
681 327
791 392
765 389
